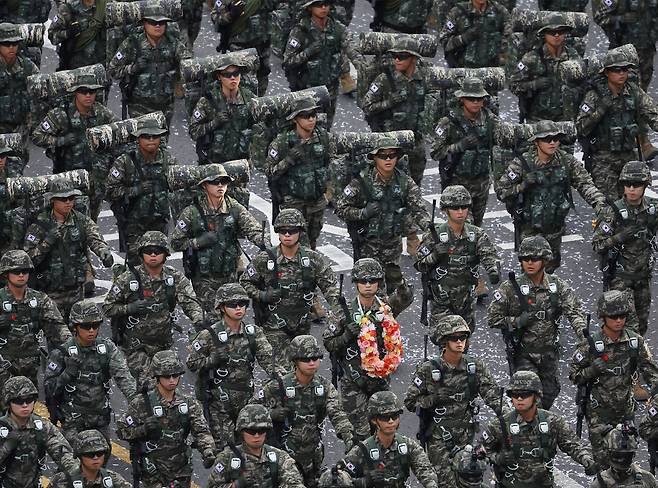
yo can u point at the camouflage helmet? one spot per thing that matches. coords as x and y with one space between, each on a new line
524 381
535 246
367 269
289 217
545 128
406 45
304 346
90 441
623 438
230 292
454 196
253 416
10 32
84 81
335 478
555 21
310 3
85 312
616 58
469 465
383 402
613 302
155 12
19 387
61 189
450 324
15 259
165 363
232 60
472 88
635 171
211 172
300 105
154 238
148 125
385 143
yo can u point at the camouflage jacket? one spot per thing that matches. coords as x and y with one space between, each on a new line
558 101
153 330
490 30
255 470
26 11
181 417
22 466
22 321
410 16
307 406
298 277
546 200
61 480
450 262
612 389
61 263
252 28
648 428
636 477
14 100
635 260
13 168
628 22
403 455
64 120
532 470
222 141
544 303
99 363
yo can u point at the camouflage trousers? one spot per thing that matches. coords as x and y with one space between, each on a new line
606 167
343 11
457 300
354 401
224 413
313 213
142 106
64 299
440 451
387 253
479 190
157 482
280 340
646 55
134 231
554 240
206 289
417 161
309 463
641 292
99 421
190 24
545 365
264 69
139 364
599 421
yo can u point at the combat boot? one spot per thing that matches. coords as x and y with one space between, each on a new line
412 244
347 84
649 151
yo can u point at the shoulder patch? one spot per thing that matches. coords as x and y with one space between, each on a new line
373 88
31 237
251 271
52 366
418 381
497 295
348 191
115 172
606 228
439 131
520 66
273 153
129 420
197 114
512 175
450 25
196 345
294 43
608 3
45 125
585 108
181 224
220 467
579 356
119 55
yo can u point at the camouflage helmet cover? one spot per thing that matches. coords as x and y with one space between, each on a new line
85 81
471 463
148 125
165 363
621 439
525 381
302 105
156 13
230 292
635 171
367 269
253 416
304 346
154 238
15 259
61 189
545 128
383 402
335 478
535 246
289 217
455 195
613 302
19 387
10 32
555 21
211 172
89 441
450 324
472 88
85 312
385 143
616 58
232 60
406 45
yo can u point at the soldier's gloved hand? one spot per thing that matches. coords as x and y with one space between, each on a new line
597 367
53 235
106 258
141 64
540 83
470 141
505 458
208 458
217 357
65 140
296 154
138 307
494 277
626 233
376 477
279 414
206 239
603 104
398 98
222 117
530 178
469 35
370 210
74 30
591 466
72 365
522 320
313 49
235 9
10 443
271 295
152 428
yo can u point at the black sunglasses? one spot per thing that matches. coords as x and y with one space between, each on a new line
311 114
250 431
153 250
387 417
237 304
24 400
86 91
89 326
386 156
402 56
230 74
65 199
9 43
458 207
633 184
618 316
20 271
220 181
169 376
531 258
367 282
289 230
549 139
556 32
151 136
475 99
309 359
98 454
618 69
521 394
457 338
156 22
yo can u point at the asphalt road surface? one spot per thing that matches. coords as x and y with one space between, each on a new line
579 263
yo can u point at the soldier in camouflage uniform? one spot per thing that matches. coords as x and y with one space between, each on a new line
252 462
223 355
25 438
449 257
340 339
299 402
11 166
528 311
406 16
78 375
297 166
161 420
14 71
475 34
621 444
147 65
25 314
381 205
282 282
648 428
142 302
626 240
58 241
333 478
524 454
190 24
469 466
221 121
446 389
137 186
536 188
63 133
78 30
610 120
463 145
396 99
388 456
535 79
92 449
207 233
246 24
25 11
608 363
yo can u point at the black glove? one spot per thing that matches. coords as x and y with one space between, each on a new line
217 357
626 233
53 235
138 307
297 154
208 458
522 320
65 140
597 367
279 414
206 239
152 428
10 443
505 458
222 117
313 49
74 30
376 477
371 209
271 295
398 98
540 83
236 9
470 35
72 365
591 466
494 277
106 258
470 141
140 65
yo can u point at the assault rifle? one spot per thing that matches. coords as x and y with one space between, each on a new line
425 279
336 370
424 414
582 395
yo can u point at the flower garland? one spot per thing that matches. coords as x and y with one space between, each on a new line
373 365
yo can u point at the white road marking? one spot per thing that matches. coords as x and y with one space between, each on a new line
343 261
